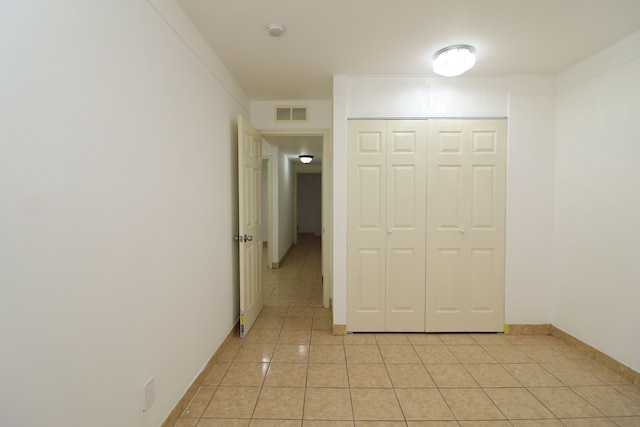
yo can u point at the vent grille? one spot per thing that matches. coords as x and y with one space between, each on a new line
291 114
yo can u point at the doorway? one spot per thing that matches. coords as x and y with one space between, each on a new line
282 150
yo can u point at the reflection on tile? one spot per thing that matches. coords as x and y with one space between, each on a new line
327 353
291 353
286 375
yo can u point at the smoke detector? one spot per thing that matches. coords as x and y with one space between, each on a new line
275 30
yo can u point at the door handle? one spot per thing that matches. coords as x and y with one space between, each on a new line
462 231
244 238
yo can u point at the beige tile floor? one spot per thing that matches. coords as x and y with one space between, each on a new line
291 372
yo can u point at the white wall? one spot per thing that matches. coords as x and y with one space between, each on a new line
309 203
525 100
530 180
285 205
596 276
116 250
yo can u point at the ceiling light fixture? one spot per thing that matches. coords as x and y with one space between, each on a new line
454 60
275 30
305 158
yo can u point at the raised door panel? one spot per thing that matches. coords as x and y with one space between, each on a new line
366 219
465 217
406 209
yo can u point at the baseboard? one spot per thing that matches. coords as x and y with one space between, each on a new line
279 263
519 329
607 361
339 329
182 404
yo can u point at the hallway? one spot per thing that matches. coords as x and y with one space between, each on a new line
291 372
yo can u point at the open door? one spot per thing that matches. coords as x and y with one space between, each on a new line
250 222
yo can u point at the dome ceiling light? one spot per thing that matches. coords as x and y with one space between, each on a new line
305 158
454 60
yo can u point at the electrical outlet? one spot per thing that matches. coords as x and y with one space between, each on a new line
149 393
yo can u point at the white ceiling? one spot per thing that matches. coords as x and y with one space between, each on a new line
399 37
292 146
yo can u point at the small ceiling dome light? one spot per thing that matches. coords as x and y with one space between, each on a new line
275 30
454 60
305 158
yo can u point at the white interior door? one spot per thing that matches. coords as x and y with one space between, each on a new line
250 223
466 225
386 213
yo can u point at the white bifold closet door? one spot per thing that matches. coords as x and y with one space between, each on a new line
466 171
386 186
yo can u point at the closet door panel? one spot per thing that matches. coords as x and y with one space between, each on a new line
406 210
366 226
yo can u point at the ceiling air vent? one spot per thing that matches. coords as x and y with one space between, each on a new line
291 114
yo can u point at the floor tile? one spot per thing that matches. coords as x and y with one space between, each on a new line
217 374
626 421
449 375
255 353
570 374
435 354
424 339
298 323
564 402
291 353
232 402
609 401
187 422
325 337
432 424
588 422
532 375
280 403
263 336
365 353
409 376
366 375
360 339
471 404
423 404
518 403
457 339
215 422
327 353
286 375
398 353
327 404
199 402
536 423
275 423
375 404
245 374
471 354
395 338
295 336
327 375
631 391
507 354
315 423
491 375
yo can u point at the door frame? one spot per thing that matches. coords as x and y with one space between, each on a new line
327 223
